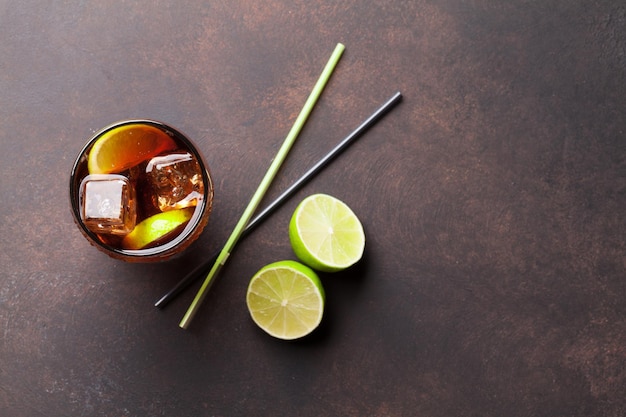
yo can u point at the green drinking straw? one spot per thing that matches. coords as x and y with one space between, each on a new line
264 185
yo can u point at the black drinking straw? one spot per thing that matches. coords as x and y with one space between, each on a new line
202 269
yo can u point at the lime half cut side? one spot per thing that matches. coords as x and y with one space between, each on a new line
325 233
286 299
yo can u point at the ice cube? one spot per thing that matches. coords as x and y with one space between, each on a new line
176 181
108 204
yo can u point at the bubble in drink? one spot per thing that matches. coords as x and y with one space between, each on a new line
108 204
176 181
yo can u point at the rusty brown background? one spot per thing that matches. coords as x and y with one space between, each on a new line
493 198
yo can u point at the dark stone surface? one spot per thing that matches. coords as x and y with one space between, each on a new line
494 281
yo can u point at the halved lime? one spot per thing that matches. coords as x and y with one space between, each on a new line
156 227
126 146
286 299
325 233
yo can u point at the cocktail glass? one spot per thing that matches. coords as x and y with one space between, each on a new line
148 198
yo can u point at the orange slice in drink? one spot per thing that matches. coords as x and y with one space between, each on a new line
126 146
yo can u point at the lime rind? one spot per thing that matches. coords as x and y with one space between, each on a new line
286 300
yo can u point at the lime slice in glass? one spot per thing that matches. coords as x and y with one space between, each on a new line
286 299
156 227
325 233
